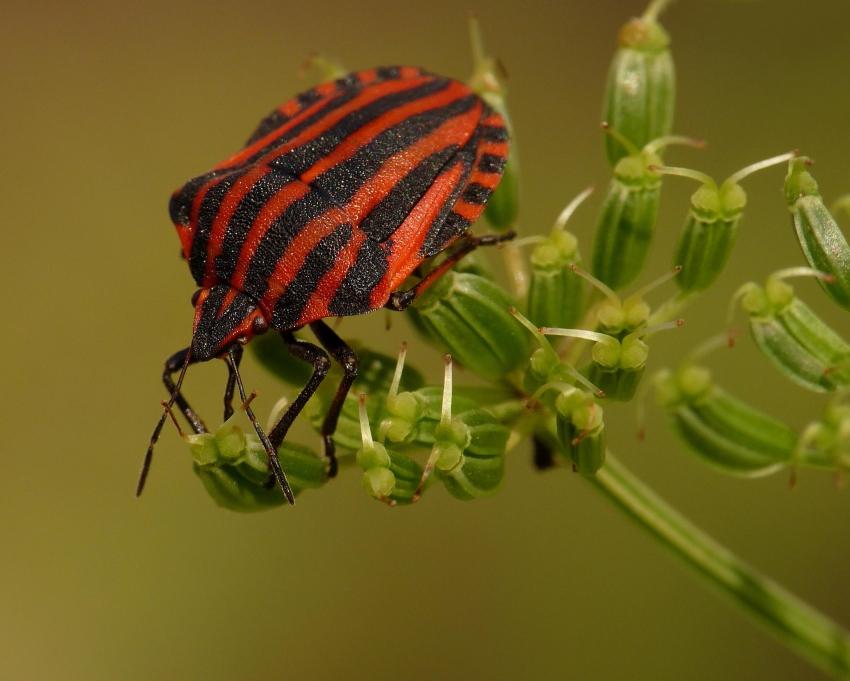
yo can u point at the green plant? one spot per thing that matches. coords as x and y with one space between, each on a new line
408 437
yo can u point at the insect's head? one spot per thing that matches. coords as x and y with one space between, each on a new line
223 316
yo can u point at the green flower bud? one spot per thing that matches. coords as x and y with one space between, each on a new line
820 236
555 294
487 81
468 316
619 317
712 225
721 430
388 476
627 218
641 91
617 366
791 336
546 368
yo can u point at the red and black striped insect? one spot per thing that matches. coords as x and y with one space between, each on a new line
337 197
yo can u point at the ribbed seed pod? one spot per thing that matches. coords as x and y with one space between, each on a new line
626 221
233 468
712 225
468 316
723 431
581 429
820 236
469 450
792 336
641 91
488 82
555 294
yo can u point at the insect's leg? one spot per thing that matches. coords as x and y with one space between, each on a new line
231 382
347 358
179 361
319 359
401 299
234 354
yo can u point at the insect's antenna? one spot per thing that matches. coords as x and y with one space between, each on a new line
274 464
146 464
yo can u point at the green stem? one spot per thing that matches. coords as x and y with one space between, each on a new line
799 626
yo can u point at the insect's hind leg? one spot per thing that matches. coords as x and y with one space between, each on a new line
400 300
349 362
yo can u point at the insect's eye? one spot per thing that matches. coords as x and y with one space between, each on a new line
259 326
195 296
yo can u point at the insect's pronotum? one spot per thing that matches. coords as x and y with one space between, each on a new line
337 197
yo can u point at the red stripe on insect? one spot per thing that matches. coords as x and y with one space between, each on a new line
494 148
271 211
407 240
454 131
289 264
366 97
225 212
468 210
317 305
351 144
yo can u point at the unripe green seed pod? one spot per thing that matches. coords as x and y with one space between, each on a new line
792 336
233 468
820 236
826 443
468 316
487 81
555 294
641 91
617 366
723 431
469 449
711 228
374 378
581 431
619 317
388 476
626 222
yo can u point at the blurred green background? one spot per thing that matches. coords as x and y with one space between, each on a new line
109 106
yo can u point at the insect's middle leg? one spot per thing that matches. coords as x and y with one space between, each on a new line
311 354
465 245
349 362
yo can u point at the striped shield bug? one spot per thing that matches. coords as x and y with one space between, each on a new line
336 199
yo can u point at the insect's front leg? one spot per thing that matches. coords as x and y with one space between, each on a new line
400 300
173 365
178 362
347 358
232 370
